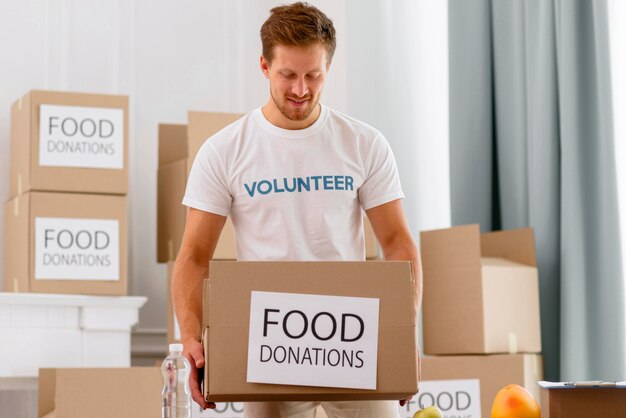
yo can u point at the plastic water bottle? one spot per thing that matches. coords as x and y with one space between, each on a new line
176 396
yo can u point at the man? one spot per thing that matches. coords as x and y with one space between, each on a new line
295 177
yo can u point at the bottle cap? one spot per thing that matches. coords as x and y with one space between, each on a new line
176 347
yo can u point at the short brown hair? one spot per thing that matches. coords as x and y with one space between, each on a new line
297 24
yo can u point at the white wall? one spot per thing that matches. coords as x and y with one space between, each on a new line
390 70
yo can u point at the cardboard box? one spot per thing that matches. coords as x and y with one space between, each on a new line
65 243
69 142
481 292
202 125
232 287
576 402
133 392
493 372
178 146
371 244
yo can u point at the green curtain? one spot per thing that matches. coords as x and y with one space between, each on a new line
531 144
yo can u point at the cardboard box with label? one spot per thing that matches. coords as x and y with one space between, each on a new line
583 399
69 142
309 331
466 386
178 146
133 392
65 243
481 291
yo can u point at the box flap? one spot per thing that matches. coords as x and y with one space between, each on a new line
501 262
515 244
511 308
450 247
172 143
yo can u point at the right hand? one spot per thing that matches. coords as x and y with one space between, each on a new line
193 350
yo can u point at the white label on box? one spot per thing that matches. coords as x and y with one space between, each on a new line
313 340
77 249
455 398
88 137
222 410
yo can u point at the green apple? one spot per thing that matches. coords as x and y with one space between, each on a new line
430 412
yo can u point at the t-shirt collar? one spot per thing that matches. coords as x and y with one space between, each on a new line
292 133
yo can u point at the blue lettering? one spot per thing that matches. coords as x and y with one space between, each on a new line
290 189
269 187
328 185
276 189
249 190
339 183
302 184
349 185
316 178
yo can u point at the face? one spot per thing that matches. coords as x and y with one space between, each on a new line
296 78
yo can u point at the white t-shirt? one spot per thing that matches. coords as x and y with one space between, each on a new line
295 194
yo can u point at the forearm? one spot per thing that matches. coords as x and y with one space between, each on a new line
404 249
187 286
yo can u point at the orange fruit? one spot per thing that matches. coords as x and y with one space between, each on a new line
514 401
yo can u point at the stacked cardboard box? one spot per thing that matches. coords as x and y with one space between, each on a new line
65 224
178 146
131 392
480 314
583 399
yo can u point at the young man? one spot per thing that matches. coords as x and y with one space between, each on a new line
295 177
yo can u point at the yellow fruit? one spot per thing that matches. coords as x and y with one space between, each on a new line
430 412
514 401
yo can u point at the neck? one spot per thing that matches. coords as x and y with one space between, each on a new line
276 118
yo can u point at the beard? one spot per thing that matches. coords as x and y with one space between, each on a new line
295 114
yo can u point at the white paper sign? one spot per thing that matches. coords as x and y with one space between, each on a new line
222 410
89 137
455 398
77 249
313 340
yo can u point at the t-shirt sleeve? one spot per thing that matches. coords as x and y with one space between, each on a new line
382 181
207 187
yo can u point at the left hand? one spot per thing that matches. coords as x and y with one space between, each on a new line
404 401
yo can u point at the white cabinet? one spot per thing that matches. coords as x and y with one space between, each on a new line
50 330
